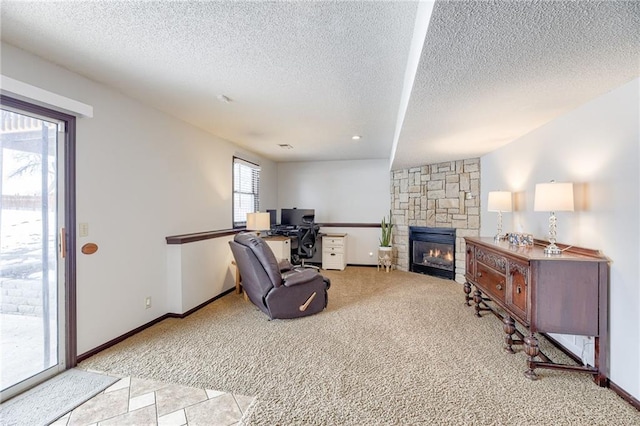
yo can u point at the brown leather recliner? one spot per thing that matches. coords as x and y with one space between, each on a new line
289 294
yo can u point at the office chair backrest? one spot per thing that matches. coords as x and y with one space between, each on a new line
307 220
307 243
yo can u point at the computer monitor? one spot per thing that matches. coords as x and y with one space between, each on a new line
294 217
272 217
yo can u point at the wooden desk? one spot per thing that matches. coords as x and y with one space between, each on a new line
565 294
238 280
280 245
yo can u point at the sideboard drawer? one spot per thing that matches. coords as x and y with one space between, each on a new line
494 283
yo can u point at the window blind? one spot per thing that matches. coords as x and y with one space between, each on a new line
246 190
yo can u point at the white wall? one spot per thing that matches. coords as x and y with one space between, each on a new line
340 191
141 176
597 147
349 191
197 272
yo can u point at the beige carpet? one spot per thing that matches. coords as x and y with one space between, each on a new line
396 348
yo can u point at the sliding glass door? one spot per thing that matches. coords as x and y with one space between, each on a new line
32 249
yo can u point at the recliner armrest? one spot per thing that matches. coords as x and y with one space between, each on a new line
299 277
285 265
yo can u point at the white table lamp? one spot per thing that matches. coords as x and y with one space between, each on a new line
499 201
553 197
258 222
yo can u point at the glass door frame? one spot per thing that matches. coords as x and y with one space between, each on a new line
67 185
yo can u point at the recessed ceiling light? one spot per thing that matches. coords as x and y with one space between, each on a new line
285 146
356 137
224 98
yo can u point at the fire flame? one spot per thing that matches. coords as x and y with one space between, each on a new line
437 253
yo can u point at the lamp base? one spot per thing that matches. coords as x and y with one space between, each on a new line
552 250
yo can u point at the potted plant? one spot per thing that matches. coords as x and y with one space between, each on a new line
385 257
387 226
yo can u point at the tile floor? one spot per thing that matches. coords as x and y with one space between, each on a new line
134 401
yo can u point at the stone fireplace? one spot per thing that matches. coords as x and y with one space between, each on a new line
443 195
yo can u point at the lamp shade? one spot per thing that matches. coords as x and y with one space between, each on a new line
258 221
499 201
553 197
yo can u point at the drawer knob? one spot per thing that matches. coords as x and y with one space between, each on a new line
499 286
333 254
479 274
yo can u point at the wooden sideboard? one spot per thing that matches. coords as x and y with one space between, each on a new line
564 294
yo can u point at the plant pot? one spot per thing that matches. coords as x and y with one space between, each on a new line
385 257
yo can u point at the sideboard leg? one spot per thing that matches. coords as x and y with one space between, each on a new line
601 380
509 327
477 298
532 350
467 292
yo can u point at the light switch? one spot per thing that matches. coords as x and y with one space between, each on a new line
84 229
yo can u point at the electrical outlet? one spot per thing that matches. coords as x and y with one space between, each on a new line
147 302
83 230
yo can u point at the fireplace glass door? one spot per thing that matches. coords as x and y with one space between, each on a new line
434 255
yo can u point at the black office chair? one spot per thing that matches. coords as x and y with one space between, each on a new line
307 236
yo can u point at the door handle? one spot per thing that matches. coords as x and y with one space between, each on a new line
63 243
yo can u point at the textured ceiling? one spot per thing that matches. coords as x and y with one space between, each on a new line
493 71
312 74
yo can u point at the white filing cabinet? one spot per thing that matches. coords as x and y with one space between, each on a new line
280 246
334 251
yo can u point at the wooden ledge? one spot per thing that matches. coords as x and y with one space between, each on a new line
207 235
200 236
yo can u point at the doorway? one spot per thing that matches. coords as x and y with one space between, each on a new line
36 266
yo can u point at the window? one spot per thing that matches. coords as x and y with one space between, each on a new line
246 190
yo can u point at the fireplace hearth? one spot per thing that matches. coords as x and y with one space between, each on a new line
432 251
